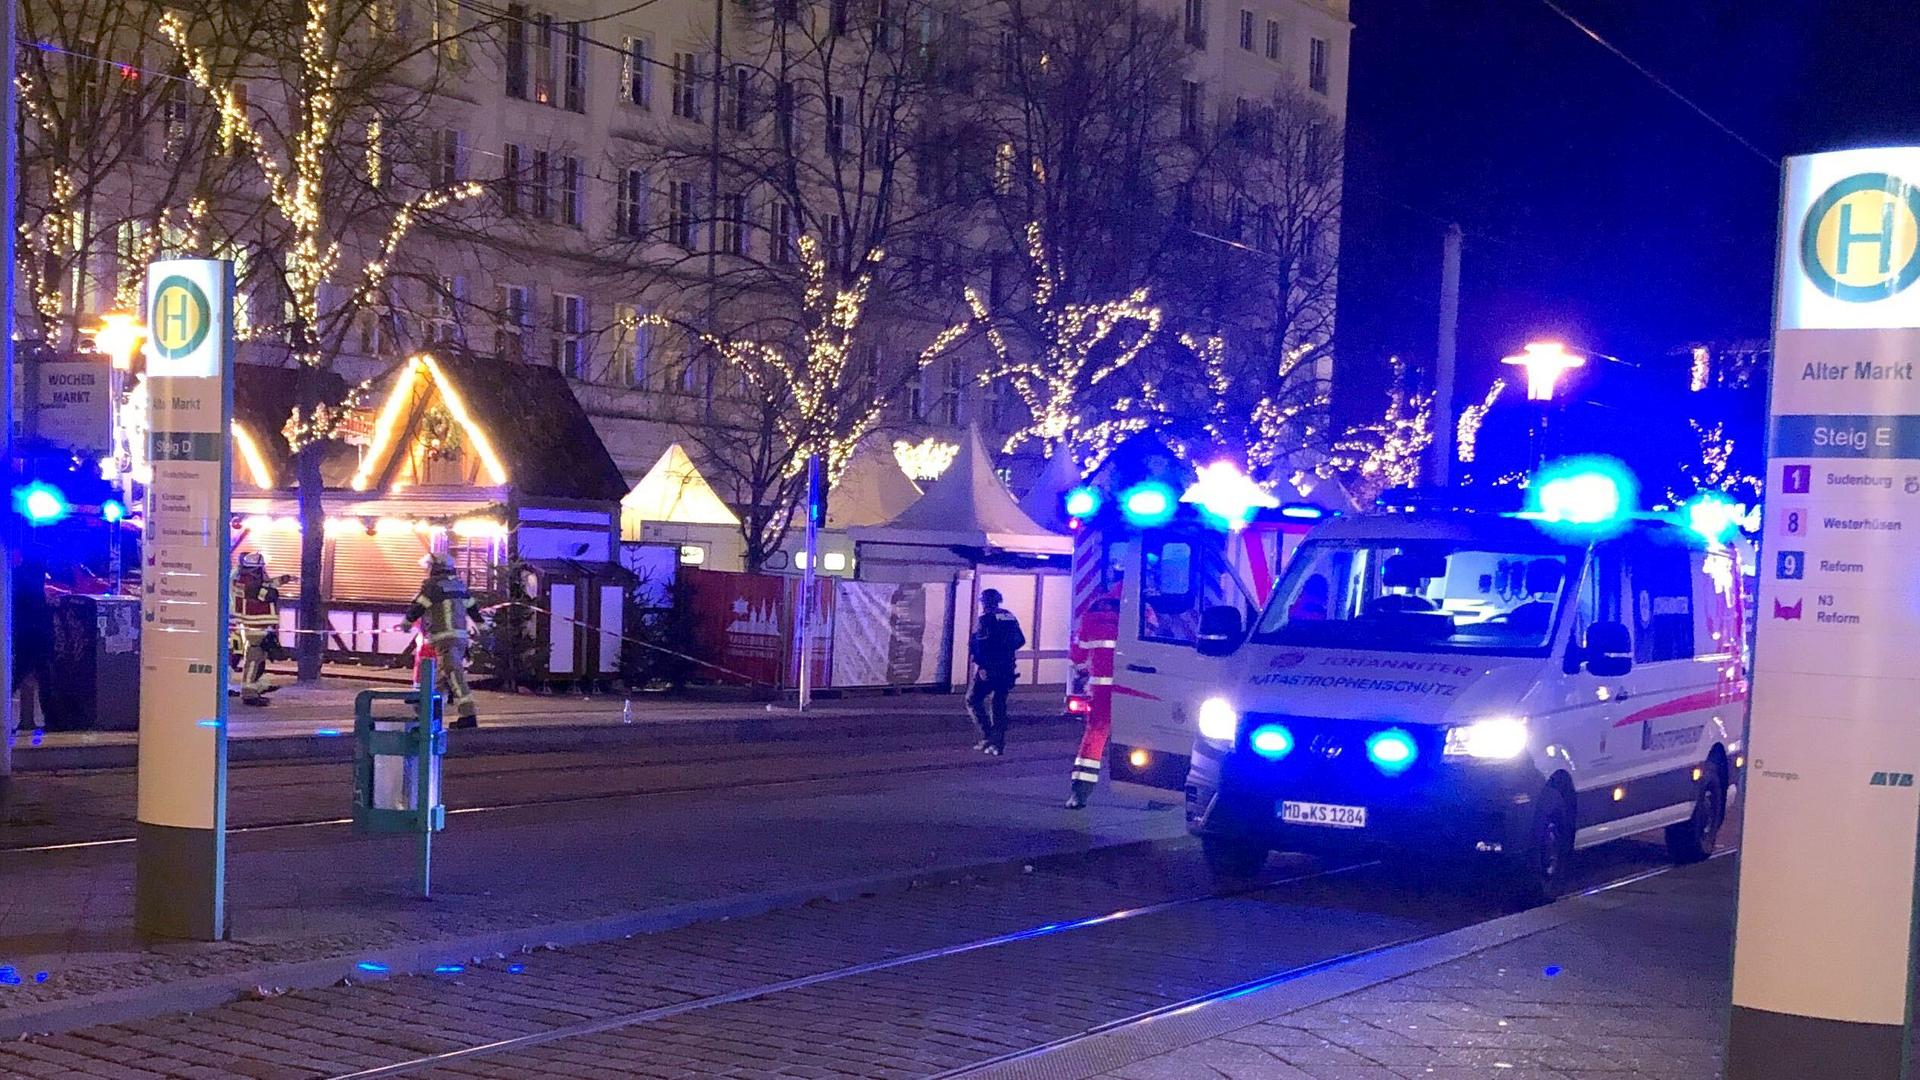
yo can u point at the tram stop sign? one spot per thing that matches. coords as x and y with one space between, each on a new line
1824 942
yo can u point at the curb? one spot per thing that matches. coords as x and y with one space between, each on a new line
553 738
1131 1042
211 991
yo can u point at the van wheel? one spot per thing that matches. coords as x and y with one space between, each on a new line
1540 874
1694 839
1233 858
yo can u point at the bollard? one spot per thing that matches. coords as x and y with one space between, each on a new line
396 769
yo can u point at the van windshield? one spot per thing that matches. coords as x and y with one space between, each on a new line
1421 596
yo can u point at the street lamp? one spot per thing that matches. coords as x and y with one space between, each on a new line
1544 362
119 336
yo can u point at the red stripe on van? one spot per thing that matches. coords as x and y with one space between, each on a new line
1704 699
1128 691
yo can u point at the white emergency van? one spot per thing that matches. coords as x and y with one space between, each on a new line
1482 685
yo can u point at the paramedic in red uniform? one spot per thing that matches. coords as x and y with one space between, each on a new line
1094 641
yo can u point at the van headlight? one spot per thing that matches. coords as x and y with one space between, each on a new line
1497 738
1218 721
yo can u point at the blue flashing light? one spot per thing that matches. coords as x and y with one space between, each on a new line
9 977
1715 516
1302 512
113 511
1083 502
1148 504
372 967
41 504
515 969
449 969
1551 970
1585 495
1392 751
38 737
39 976
328 731
206 723
1271 741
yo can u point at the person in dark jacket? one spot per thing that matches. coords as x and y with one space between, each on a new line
443 611
32 638
997 637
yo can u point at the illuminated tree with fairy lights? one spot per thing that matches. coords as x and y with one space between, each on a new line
1385 453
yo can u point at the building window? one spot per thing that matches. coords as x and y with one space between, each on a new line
1003 169
733 224
636 72
540 44
1319 59
1192 100
740 98
632 339
949 408
572 192
576 85
1195 23
540 187
515 323
680 213
686 86
446 29
630 204
449 300
512 167
1273 39
517 51
570 335
780 233
1246 30
449 157
836 125
783 111
917 396
837 17
836 231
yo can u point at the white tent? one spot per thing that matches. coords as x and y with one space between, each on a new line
672 491
969 507
1325 492
872 490
1045 501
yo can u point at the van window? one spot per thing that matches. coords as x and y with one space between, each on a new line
1422 596
1716 623
1175 587
1663 616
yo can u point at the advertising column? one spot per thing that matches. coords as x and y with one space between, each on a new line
180 863
1823 952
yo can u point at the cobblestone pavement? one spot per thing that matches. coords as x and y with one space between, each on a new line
924 1017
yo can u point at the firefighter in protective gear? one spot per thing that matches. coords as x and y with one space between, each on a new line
255 611
443 610
1094 642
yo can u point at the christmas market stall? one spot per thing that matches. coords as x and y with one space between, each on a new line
674 506
495 464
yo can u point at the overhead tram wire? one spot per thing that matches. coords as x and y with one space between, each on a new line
1590 32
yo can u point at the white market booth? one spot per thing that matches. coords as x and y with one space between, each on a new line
674 506
969 534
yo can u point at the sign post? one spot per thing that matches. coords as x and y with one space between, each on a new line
180 861
1824 944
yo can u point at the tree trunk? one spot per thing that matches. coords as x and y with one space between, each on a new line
311 616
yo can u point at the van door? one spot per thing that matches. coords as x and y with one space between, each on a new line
1172 577
1580 723
1675 682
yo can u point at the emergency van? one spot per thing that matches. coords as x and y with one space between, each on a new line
1488 686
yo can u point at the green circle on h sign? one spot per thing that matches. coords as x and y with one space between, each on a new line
1860 241
181 317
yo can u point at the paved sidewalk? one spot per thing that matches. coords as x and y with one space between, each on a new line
1627 984
312 722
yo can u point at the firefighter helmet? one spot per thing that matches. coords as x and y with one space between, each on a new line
252 560
438 563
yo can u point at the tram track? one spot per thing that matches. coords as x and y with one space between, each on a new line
1132 931
652 791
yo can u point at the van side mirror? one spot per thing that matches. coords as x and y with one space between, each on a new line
1609 650
1220 630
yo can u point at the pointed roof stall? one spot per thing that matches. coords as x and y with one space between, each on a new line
509 426
263 399
969 507
673 491
873 489
1326 492
1045 501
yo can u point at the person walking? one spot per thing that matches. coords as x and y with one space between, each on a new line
1094 642
444 611
32 639
997 638
255 604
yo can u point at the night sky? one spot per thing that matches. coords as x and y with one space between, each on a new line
1597 209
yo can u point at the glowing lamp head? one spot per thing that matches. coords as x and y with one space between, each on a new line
1544 363
1271 741
41 504
1227 495
1715 516
1392 751
119 335
1083 503
1149 504
113 511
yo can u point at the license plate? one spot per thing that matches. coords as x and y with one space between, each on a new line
1314 813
